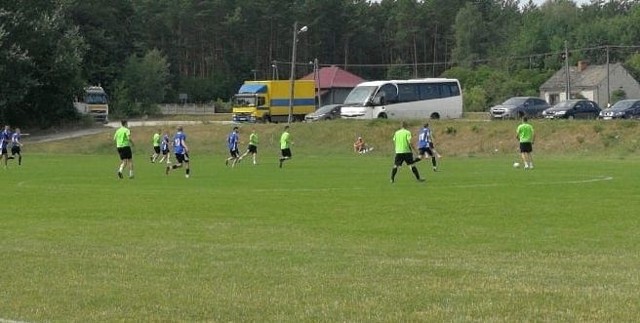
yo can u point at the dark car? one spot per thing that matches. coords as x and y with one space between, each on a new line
518 107
573 109
624 109
326 112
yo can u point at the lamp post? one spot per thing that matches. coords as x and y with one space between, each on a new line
296 31
274 72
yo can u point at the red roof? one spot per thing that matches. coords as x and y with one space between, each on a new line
335 77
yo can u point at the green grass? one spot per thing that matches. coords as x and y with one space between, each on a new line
326 238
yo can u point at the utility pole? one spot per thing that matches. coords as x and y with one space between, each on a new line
567 89
608 76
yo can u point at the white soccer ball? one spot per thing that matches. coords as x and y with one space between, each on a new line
516 165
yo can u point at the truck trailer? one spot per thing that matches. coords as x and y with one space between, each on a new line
268 101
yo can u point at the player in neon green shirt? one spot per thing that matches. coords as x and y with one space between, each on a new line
253 146
285 145
526 137
404 152
123 140
155 141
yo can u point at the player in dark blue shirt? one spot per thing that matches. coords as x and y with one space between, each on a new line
165 148
5 139
181 151
232 143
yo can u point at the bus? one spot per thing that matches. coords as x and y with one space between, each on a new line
432 98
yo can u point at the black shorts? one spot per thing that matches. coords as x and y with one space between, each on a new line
425 150
526 147
182 158
125 153
407 158
156 149
165 151
4 150
286 152
253 149
15 150
234 153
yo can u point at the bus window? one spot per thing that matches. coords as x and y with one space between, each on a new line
407 92
429 91
450 89
390 93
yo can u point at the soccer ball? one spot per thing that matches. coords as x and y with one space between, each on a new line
516 165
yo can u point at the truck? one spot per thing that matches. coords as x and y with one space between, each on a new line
93 102
268 101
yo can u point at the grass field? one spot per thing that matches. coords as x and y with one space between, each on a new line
325 239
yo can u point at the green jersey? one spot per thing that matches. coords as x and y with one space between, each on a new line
525 132
253 139
156 140
122 137
285 140
402 140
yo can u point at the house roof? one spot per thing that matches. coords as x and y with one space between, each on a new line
335 77
590 77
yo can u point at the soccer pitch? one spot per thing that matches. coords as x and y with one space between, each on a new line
325 238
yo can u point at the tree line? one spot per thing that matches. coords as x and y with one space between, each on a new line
145 52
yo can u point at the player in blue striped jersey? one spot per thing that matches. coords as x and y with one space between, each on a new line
425 146
181 151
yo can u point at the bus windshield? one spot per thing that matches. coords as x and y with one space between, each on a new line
360 95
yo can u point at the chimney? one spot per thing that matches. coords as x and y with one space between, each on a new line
582 65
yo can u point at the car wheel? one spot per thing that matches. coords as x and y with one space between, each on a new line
435 116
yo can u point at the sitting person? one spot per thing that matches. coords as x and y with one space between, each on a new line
360 147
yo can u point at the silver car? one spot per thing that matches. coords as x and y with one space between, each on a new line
518 107
326 112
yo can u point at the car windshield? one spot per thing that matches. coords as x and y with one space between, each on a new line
360 95
564 105
623 105
325 109
514 101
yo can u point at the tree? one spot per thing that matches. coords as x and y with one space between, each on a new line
144 83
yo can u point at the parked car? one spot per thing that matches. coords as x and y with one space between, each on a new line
325 112
573 109
518 107
624 109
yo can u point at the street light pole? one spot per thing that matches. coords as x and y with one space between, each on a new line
293 66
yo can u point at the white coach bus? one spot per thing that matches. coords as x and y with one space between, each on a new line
432 98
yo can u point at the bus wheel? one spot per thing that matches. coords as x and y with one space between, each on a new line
382 116
435 116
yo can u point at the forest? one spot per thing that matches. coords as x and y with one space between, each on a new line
145 52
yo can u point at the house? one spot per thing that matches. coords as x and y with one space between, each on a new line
335 84
590 82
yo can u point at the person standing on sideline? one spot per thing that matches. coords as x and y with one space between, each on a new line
404 152
232 143
123 140
156 145
181 152
285 145
425 146
164 148
526 136
5 138
16 146
253 146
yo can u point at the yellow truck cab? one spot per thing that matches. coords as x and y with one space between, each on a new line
268 101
